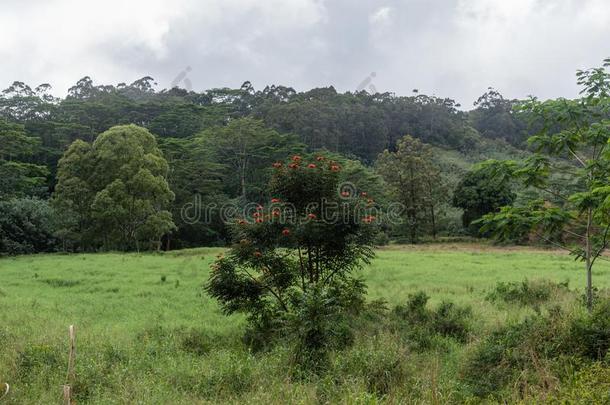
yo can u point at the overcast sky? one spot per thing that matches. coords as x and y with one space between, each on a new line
453 48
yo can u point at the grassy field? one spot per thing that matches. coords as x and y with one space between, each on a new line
147 334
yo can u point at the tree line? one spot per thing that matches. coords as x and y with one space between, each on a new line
69 173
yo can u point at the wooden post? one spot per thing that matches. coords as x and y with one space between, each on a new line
67 395
72 358
71 361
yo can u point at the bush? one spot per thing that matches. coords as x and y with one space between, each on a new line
382 239
319 325
516 355
380 364
452 321
526 293
589 335
422 325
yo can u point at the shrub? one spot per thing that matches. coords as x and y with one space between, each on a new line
422 325
452 321
526 292
381 365
495 361
318 326
589 334
382 239
515 355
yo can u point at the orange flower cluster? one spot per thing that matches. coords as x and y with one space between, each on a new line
368 219
296 161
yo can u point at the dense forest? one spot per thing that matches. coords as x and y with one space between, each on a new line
219 146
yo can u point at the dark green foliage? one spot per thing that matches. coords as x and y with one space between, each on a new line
244 150
19 175
484 189
196 130
421 325
317 327
494 117
27 226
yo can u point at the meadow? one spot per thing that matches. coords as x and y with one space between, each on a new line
147 333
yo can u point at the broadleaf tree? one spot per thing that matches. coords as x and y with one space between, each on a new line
578 131
115 190
415 181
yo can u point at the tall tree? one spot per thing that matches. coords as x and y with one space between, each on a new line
18 177
196 180
248 148
413 178
494 117
117 188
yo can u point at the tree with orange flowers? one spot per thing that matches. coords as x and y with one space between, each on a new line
291 266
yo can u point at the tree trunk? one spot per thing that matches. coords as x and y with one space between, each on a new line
588 261
243 181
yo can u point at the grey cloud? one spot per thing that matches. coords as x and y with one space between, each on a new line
454 48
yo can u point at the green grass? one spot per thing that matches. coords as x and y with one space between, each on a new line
144 340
